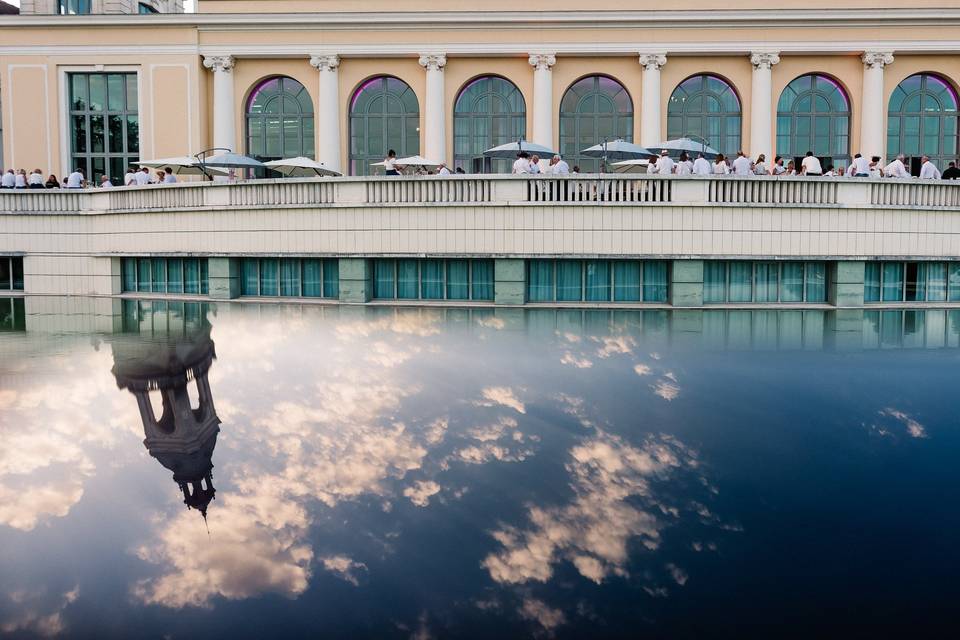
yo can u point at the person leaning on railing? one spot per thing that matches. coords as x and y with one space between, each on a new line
952 172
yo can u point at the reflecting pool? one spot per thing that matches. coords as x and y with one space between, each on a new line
180 470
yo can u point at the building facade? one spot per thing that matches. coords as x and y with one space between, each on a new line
90 7
346 81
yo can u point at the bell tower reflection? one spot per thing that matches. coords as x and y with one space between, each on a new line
165 348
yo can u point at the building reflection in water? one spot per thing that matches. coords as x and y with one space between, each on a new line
163 349
12 317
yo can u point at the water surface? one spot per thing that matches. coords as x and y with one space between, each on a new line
401 472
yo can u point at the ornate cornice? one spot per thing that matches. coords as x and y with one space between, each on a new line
328 62
219 64
653 61
433 61
764 59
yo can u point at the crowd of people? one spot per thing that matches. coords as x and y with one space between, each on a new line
20 179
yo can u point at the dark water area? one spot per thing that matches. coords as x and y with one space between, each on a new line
178 470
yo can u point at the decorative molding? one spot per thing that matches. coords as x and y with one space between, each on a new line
542 61
503 20
764 59
653 61
433 61
328 62
877 59
219 64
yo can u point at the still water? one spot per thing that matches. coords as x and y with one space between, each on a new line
185 470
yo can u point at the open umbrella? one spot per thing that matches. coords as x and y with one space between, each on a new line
631 166
511 149
300 167
230 160
617 150
675 147
181 166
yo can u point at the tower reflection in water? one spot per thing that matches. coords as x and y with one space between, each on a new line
163 350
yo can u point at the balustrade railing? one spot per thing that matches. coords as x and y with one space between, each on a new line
594 189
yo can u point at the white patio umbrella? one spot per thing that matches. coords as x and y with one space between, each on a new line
617 150
631 166
674 147
181 166
300 167
230 160
511 149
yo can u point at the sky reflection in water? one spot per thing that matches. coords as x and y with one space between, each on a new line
411 472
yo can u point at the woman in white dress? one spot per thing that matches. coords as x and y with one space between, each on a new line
720 167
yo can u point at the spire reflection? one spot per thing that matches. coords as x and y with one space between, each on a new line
164 351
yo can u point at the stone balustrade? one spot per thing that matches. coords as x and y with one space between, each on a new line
580 190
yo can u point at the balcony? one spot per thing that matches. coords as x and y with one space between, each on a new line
473 190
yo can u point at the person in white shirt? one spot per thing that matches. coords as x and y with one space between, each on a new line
896 169
75 180
168 177
810 166
665 163
928 170
860 167
720 167
760 166
130 177
701 166
778 168
559 166
522 163
20 181
534 164
143 177
105 182
742 165
443 171
390 164
9 180
684 167
652 165
35 180
830 172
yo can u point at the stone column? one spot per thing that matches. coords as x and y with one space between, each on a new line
224 105
872 129
761 105
328 112
434 113
650 133
542 64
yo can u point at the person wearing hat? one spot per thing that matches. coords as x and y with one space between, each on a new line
665 163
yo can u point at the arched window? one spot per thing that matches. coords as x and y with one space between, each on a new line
279 120
814 115
922 120
489 111
706 108
384 115
593 109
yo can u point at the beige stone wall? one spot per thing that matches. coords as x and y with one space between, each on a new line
177 92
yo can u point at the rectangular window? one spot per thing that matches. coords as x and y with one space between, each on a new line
871 282
569 280
626 281
289 277
953 286
104 132
250 283
164 275
11 273
936 281
655 281
433 279
331 278
312 278
764 282
481 272
892 282
597 273
269 277
540 281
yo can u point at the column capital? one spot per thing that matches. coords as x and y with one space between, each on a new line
433 61
877 59
219 64
328 62
764 59
542 61
653 61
